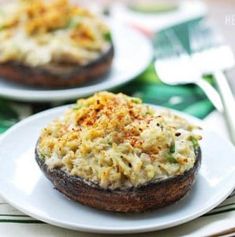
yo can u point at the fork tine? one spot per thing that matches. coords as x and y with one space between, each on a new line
215 58
174 65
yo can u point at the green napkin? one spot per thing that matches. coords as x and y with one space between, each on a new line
8 115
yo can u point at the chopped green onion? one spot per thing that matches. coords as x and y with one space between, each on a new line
78 106
72 24
42 156
195 142
170 158
108 36
136 100
172 148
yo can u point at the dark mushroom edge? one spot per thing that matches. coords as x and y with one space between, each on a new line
153 195
58 75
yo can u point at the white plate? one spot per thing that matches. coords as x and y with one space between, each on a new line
23 185
133 53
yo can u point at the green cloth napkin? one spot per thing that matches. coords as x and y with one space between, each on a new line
8 115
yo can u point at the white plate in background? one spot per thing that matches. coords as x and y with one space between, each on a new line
133 53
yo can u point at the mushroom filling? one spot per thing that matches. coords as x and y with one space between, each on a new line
118 142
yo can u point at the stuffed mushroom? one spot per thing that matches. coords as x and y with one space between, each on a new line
114 153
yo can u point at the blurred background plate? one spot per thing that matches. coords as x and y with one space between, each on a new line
129 61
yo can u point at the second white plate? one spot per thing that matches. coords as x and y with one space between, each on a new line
133 53
23 185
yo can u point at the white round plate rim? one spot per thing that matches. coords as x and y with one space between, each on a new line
98 229
27 94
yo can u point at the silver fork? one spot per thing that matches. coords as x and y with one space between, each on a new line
174 66
212 56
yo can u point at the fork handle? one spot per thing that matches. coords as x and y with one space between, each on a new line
228 102
211 93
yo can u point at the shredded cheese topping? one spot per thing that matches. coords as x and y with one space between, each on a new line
39 32
116 141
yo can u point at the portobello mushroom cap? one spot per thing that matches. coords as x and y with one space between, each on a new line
152 195
57 75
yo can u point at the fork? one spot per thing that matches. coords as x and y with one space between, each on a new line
212 56
174 66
